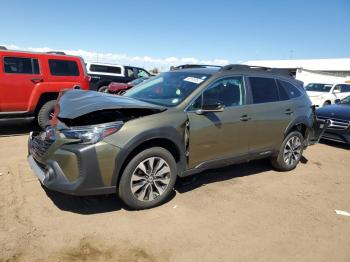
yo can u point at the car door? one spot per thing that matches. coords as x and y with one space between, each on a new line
20 76
271 113
219 135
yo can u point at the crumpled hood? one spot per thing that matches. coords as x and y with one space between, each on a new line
315 94
75 103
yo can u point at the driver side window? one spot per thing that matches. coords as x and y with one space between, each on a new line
228 92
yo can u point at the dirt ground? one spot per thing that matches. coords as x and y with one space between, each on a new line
245 212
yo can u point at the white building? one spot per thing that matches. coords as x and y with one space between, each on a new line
312 70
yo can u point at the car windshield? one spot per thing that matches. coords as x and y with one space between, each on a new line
345 101
318 87
138 81
167 89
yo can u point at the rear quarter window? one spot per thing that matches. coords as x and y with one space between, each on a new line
291 90
63 68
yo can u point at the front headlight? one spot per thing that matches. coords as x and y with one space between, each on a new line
91 134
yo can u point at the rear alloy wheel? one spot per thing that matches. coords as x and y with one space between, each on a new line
290 153
148 179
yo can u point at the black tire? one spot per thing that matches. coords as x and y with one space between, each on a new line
103 89
44 114
125 185
282 162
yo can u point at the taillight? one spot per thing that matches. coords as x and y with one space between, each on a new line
88 78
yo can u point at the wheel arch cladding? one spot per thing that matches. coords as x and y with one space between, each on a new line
167 138
301 124
45 97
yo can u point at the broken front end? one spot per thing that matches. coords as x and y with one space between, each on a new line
72 155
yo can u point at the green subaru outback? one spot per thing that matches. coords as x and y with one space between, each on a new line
175 124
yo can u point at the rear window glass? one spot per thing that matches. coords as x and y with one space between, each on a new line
291 90
264 90
18 65
63 68
106 69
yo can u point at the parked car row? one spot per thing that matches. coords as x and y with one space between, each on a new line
326 94
172 125
104 74
30 82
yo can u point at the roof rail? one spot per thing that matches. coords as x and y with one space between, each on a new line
56 52
3 47
193 66
279 71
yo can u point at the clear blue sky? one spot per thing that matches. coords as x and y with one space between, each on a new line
232 30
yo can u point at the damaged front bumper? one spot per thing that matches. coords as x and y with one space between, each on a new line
73 168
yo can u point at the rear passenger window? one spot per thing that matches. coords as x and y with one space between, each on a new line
63 68
264 90
106 69
18 65
291 90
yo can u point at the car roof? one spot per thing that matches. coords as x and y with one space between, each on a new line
52 54
198 70
240 69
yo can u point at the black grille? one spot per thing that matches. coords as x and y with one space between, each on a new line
39 147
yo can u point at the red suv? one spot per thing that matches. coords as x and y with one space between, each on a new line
30 82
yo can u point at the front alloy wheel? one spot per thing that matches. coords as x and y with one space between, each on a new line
148 179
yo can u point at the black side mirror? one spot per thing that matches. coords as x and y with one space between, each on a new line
337 101
210 106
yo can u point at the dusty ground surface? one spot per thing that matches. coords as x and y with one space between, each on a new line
239 213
